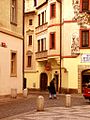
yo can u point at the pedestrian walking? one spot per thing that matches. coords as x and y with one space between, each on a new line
51 88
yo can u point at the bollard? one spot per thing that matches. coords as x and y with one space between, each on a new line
13 93
25 92
68 100
40 103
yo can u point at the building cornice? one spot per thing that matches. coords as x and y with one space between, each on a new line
2 30
59 0
42 4
30 12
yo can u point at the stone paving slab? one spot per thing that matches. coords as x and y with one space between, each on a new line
56 113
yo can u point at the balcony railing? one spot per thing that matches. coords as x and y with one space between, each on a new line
41 28
41 54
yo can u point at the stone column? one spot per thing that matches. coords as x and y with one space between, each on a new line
40 103
68 100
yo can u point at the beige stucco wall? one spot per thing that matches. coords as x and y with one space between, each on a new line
68 31
72 74
6 81
5 16
67 9
32 80
12 35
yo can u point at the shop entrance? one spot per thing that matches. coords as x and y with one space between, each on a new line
43 81
85 78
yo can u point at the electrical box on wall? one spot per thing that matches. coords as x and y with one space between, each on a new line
3 44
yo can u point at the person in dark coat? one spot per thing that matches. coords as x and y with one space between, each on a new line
51 88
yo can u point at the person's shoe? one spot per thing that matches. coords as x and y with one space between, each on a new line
50 97
55 97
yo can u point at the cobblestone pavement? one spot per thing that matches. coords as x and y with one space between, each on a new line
27 106
57 113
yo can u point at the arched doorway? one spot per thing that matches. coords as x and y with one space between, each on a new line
85 78
43 81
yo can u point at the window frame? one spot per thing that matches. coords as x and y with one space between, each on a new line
13 12
13 73
41 45
81 6
52 46
81 38
42 18
52 10
29 40
29 61
38 42
38 19
35 3
30 22
45 16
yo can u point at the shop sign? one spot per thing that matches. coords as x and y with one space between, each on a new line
85 58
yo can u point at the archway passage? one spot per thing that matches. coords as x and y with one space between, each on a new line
43 81
85 78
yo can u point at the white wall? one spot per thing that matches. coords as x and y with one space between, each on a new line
7 82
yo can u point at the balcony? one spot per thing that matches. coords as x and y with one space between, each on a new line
41 28
41 55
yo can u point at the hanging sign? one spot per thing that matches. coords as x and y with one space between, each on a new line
48 66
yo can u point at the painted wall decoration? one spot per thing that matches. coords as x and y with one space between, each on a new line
81 17
75 44
76 8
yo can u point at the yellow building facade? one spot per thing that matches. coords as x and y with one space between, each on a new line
60 44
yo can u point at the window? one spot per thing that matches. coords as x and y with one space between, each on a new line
84 6
13 11
39 20
45 16
85 38
30 40
42 44
29 61
30 22
13 64
52 10
38 45
42 18
52 40
35 2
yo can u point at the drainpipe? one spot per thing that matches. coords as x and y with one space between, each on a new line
60 45
23 38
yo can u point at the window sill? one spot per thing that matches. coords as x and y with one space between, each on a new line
14 23
88 12
13 75
52 48
84 47
28 66
52 17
